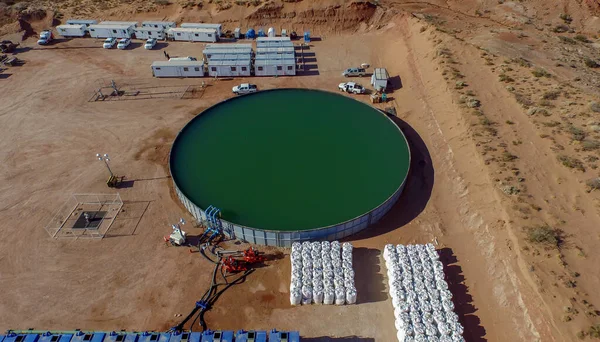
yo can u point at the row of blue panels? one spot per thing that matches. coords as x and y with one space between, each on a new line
206 336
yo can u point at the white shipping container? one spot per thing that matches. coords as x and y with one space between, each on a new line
192 34
178 69
109 31
275 67
217 27
72 30
379 79
150 32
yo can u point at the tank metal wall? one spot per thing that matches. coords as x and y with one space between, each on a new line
286 238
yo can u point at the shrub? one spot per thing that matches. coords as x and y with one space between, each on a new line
593 184
595 106
522 62
539 72
590 63
561 29
551 95
582 38
505 78
162 2
590 145
567 40
551 124
545 235
570 162
576 133
507 156
594 331
566 18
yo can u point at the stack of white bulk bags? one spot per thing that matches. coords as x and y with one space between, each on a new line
423 305
322 273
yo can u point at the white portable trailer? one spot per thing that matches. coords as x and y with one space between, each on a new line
178 69
130 23
288 50
86 22
159 24
210 53
109 31
150 32
72 30
192 34
379 79
275 67
217 27
229 68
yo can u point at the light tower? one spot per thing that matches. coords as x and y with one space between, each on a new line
106 159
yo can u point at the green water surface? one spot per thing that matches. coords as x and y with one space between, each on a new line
290 159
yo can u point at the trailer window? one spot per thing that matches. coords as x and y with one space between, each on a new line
185 69
210 35
244 69
179 33
92 29
260 68
196 34
233 69
197 69
157 68
114 31
213 68
290 67
279 67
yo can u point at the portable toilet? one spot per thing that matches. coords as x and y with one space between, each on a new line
154 337
49 337
217 336
12 337
237 33
261 33
251 336
80 336
284 336
271 32
250 34
283 32
307 37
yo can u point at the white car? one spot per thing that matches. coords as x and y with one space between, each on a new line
351 87
244 88
360 72
109 43
150 43
123 43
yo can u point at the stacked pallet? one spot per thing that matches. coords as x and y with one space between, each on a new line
322 273
422 303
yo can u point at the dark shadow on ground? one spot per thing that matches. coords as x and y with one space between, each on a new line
394 83
338 339
4 76
128 219
134 45
315 39
308 54
463 301
160 45
368 276
417 190
22 49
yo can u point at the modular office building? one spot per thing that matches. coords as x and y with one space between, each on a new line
229 66
178 69
159 24
130 23
217 27
150 32
86 22
277 65
192 34
109 31
209 53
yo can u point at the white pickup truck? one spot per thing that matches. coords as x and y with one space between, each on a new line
244 88
45 37
351 87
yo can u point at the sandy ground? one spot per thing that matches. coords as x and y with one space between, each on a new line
50 132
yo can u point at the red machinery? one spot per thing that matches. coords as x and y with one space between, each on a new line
250 255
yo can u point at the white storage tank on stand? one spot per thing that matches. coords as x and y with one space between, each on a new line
271 32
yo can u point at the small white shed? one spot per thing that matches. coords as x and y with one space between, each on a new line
72 30
150 32
217 27
192 34
178 69
379 79
109 30
229 68
275 67
237 33
159 24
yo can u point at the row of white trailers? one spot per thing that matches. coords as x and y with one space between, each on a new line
191 32
225 68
